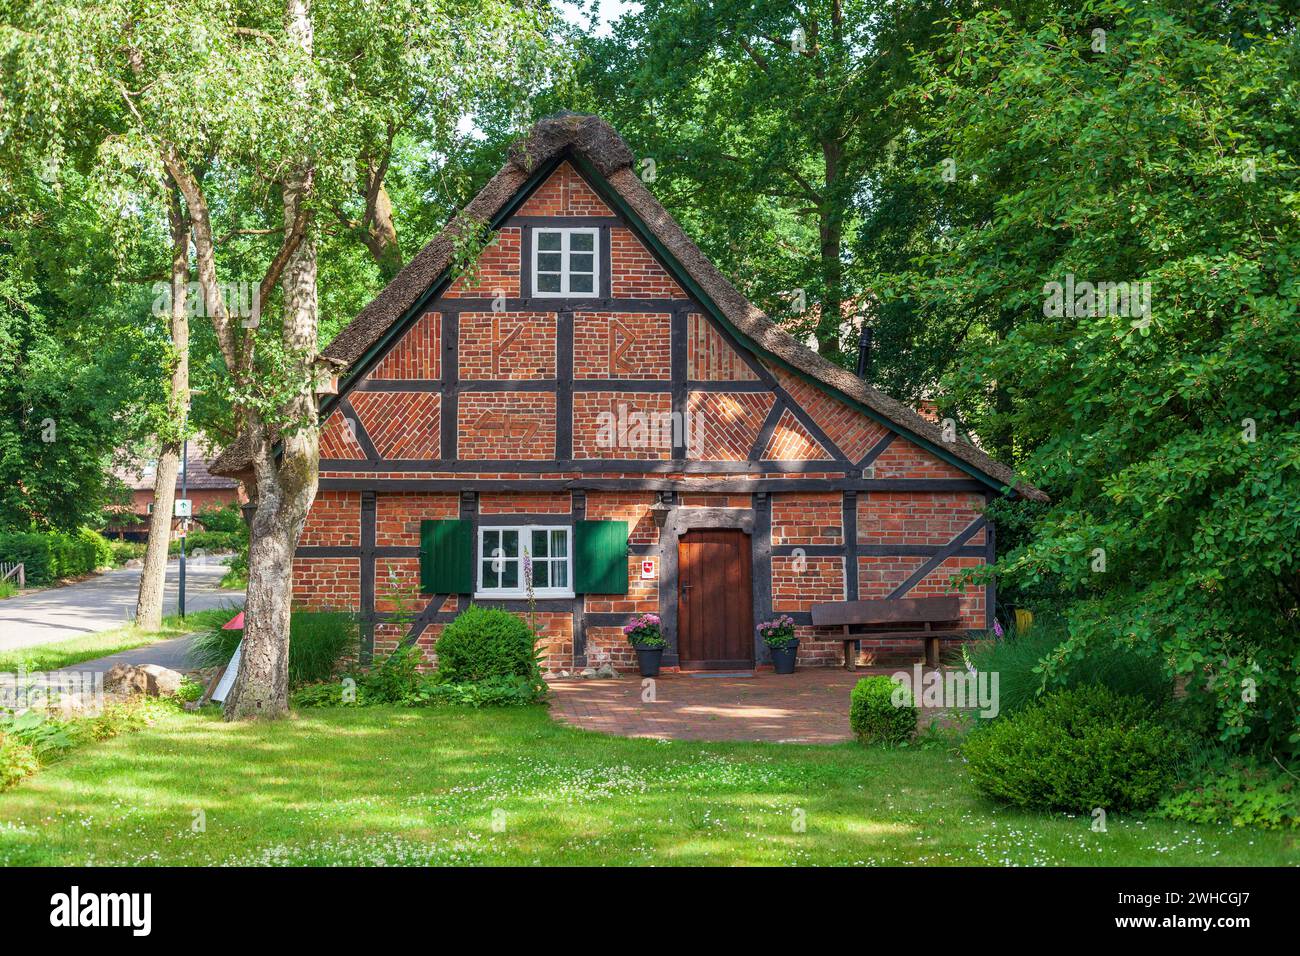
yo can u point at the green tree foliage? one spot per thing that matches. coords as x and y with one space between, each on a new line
1155 146
785 105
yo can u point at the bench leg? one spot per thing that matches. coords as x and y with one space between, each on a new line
850 658
932 652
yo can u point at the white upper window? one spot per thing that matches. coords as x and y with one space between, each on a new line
505 555
566 263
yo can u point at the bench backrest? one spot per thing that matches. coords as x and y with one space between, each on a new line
934 610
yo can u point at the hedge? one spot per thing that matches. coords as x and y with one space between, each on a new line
49 556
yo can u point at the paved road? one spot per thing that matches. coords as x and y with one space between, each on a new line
103 602
173 654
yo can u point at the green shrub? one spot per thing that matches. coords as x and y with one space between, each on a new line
1075 750
487 642
1235 789
396 678
17 760
211 542
124 551
513 691
51 555
329 694
881 711
226 518
1017 660
7 589
318 641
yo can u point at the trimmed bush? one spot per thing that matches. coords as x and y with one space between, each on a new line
1075 750
881 711
49 556
486 642
318 640
1016 657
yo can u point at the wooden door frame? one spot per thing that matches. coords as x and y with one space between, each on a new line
681 520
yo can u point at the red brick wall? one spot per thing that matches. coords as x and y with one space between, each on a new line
903 459
853 432
911 517
401 425
708 356
565 193
591 435
799 582
398 516
498 269
632 507
320 583
635 273
334 520
725 425
808 519
508 503
507 345
336 439
417 355
512 425
790 441
622 345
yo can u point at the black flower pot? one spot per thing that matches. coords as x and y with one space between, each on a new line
783 658
648 658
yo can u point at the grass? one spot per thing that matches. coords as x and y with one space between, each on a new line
400 786
46 657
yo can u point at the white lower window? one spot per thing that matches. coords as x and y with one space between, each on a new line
507 555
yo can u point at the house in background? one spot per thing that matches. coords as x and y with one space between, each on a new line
204 490
597 403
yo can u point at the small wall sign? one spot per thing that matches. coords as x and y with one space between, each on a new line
648 569
184 508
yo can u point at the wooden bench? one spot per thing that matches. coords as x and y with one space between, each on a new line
931 619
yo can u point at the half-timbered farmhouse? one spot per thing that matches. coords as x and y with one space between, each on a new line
596 403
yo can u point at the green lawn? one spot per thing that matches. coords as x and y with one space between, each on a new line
384 785
48 657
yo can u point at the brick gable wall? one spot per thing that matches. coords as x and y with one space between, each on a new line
507 412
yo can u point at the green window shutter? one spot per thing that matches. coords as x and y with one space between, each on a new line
600 557
446 557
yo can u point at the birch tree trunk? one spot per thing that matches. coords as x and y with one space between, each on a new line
287 487
148 605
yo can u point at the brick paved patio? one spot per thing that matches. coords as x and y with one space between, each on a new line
809 706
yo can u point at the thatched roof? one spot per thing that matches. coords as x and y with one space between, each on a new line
595 141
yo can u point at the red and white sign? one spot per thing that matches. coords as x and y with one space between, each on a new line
648 569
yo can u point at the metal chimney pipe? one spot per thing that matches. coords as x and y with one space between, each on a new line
864 351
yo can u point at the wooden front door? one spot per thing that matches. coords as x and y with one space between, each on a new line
715 609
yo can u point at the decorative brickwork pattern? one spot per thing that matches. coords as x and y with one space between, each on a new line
402 425
708 356
416 355
628 345
506 425
507 345
725 425
853 432
636 273
337 441
791 442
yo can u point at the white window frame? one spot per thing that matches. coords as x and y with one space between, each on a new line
566 234
525 539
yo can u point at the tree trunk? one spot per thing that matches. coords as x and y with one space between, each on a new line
380 236
830 233
148 605
287 487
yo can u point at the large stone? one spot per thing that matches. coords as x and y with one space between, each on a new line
151 680
606 671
